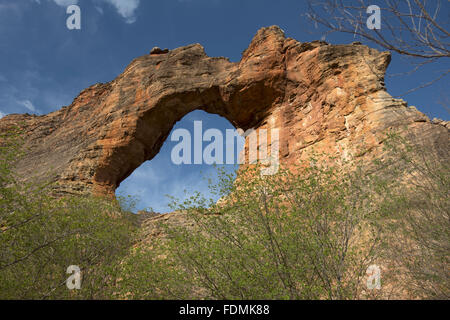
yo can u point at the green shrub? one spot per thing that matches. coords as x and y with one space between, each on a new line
417 233
305 235
287 236
309 233
41 236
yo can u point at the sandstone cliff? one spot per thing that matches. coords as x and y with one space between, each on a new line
330 97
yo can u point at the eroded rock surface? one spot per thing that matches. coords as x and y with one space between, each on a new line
330 97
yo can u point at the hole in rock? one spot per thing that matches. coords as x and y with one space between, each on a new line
150 183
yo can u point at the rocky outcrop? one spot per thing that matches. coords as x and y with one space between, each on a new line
157 50
328 97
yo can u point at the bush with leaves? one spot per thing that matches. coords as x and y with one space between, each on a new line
417 228
41 236
305 234
308 235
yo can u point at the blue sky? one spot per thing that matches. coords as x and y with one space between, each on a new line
43 65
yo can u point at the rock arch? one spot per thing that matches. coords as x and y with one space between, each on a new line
331 97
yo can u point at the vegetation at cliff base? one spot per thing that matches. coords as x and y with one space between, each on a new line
42 235
308 233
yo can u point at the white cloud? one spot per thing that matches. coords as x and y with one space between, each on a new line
152 181
125 8
29 105
2 114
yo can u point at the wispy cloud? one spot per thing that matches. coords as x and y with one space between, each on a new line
152 183
99 9
125 8
28 104
2 114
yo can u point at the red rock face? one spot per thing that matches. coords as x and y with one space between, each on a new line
328 97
